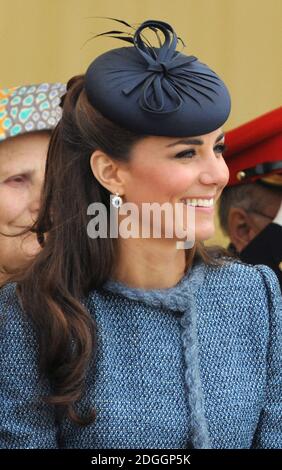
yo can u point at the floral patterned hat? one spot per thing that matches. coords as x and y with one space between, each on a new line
29 108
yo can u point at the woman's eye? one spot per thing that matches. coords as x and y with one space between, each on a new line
186 154
16 180
220 148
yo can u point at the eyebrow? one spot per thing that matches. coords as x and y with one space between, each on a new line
193 141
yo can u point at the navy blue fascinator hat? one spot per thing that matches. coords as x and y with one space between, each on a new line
157 90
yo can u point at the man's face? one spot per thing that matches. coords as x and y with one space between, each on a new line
252 215
265 210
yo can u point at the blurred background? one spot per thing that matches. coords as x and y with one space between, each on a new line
46 40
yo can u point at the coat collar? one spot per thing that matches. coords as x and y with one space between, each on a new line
180 298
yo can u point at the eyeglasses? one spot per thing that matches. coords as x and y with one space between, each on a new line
260 213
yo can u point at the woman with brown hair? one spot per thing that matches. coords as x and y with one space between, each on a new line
127 341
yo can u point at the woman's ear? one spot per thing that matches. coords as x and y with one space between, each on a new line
240 228
107 171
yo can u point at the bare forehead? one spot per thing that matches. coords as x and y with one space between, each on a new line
24 144
23 154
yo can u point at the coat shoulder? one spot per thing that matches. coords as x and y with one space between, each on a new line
16 328
238 275
247 288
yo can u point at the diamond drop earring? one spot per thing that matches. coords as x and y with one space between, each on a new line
116 201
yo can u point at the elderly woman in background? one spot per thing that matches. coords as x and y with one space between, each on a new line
27 116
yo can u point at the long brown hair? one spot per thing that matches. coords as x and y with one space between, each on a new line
71 264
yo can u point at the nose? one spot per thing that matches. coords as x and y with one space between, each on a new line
215 171
34 202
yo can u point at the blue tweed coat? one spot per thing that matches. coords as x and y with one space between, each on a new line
198 364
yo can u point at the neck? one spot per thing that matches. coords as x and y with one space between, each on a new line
3 278
149 264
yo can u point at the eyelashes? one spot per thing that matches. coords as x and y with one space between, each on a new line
190 153
17 180
220 148
186 154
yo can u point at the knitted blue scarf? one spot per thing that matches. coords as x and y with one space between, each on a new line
180 298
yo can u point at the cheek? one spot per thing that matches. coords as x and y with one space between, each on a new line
158 184
12 205
17 250
177 179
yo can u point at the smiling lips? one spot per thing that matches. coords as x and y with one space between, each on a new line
199 202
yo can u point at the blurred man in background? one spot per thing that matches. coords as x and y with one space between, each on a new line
250 210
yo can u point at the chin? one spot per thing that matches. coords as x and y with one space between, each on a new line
205 232
30 246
